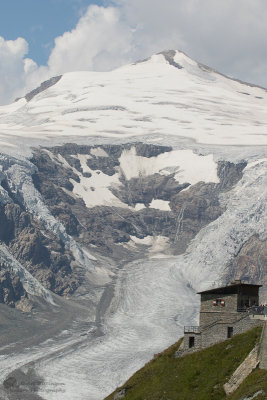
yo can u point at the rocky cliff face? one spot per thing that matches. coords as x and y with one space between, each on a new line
250 263
109 228
150 209
33 246
11 289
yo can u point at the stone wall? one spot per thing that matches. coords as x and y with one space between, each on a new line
207 302
246 324
219 331
214 334
196 336
242 372
209 318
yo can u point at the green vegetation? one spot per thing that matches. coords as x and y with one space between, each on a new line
256 382
197 376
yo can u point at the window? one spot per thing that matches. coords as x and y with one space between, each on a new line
191 342
230 332
219 302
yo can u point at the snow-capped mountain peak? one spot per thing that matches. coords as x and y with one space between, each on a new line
166 96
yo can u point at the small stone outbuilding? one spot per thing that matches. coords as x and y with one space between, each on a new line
224 312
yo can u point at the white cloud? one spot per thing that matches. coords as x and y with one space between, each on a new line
18 74
100 41
106 38
228 35
12 66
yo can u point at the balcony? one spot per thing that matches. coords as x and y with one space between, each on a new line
258 310
191 329
254 310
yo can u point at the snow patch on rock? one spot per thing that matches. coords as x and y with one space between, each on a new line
186 166
157 245
162 205
98 152
95 190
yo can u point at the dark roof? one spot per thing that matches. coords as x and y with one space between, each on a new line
230 289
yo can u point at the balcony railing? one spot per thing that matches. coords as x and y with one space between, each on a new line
191 329
258 310
255 310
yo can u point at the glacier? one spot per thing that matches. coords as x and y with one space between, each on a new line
154 299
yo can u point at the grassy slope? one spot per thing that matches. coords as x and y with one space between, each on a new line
197 376
255 382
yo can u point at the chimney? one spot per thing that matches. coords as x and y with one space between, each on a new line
236 282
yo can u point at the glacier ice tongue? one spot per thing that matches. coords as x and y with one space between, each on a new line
154 299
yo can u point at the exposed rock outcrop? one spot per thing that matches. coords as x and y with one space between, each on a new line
250 263
110 227
11 289
44 85
36 248
44 244
242 372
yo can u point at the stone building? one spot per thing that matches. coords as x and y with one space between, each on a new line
224 312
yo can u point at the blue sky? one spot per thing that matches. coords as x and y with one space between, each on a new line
40 21
59 36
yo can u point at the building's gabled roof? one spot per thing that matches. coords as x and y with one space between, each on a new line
230 289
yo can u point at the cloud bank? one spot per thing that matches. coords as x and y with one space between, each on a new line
229 35
13 67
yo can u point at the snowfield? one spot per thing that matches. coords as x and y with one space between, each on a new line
95 190
151 98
